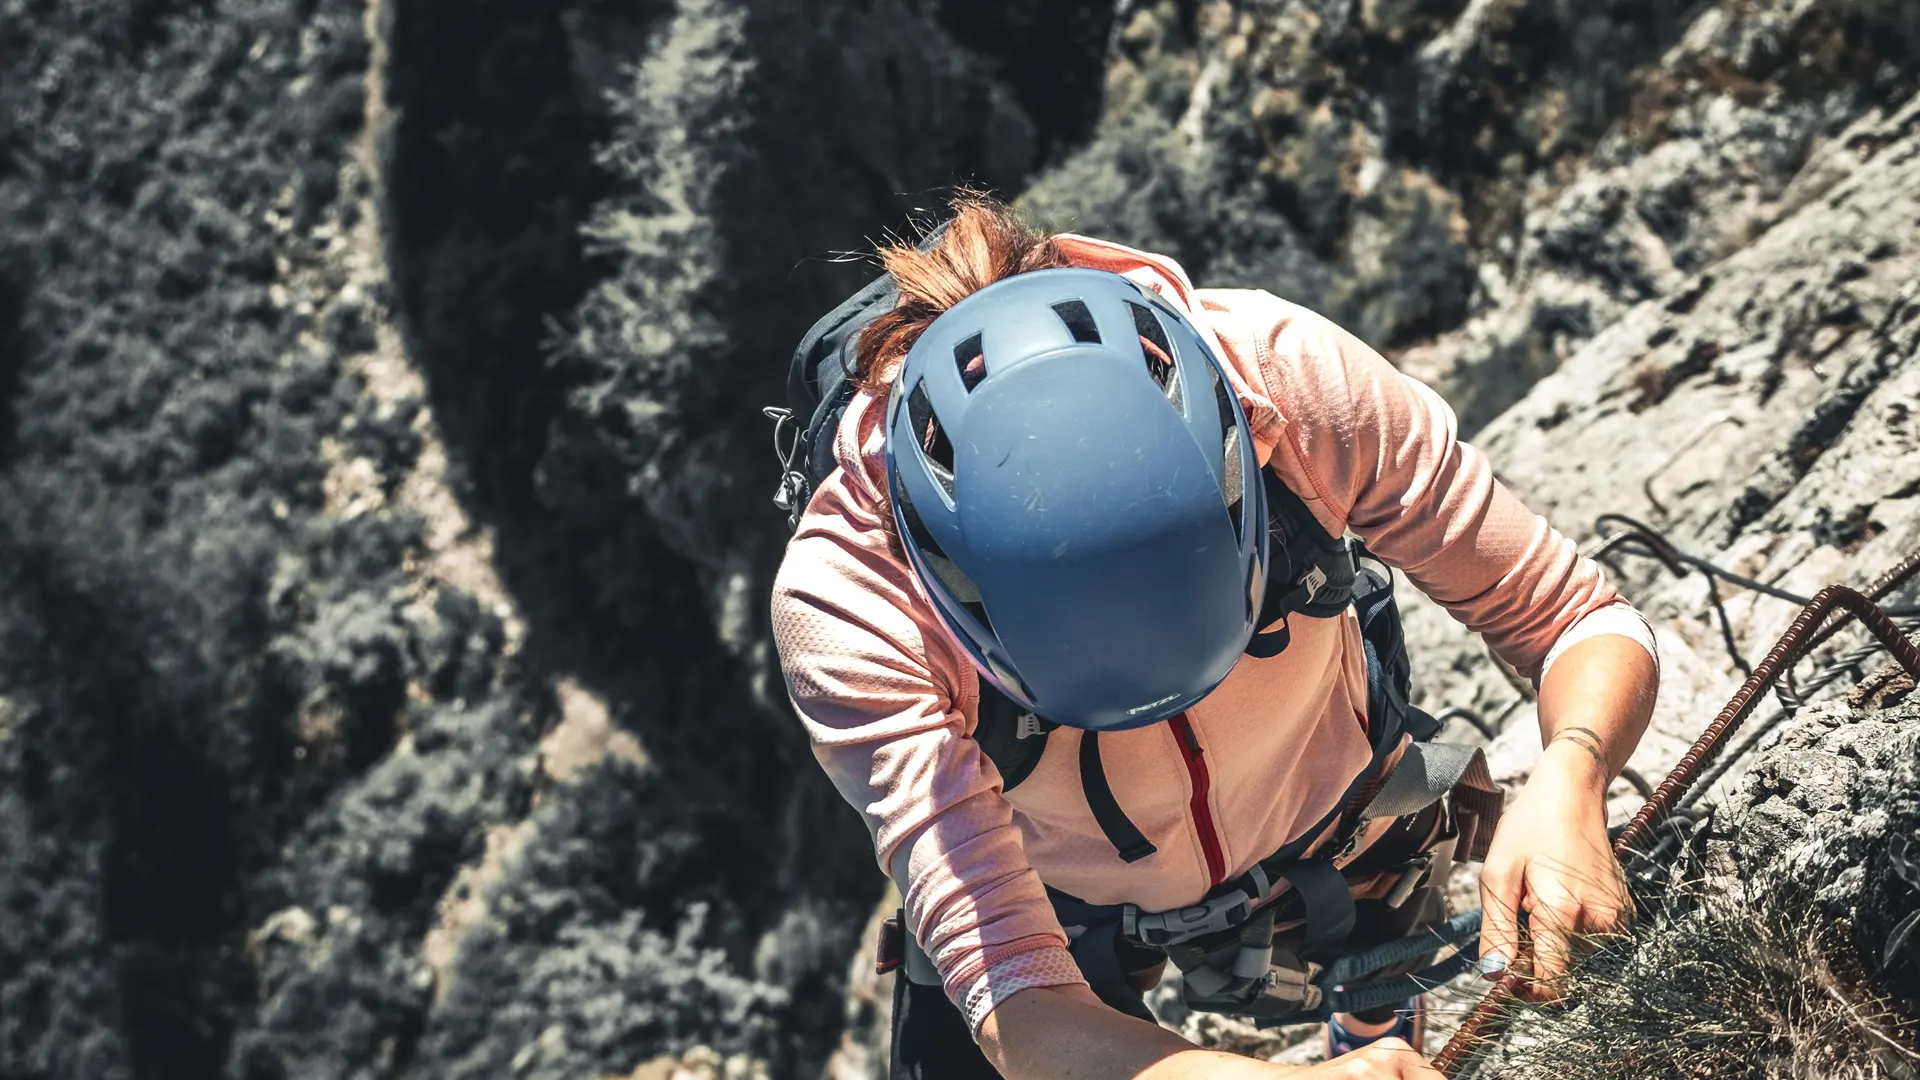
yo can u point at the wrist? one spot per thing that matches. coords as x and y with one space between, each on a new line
1575 765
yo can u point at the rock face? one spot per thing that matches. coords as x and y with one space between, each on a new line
1476 186
1818 821
384 686
1761 416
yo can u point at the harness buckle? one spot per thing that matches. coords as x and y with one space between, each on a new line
1416 872
1163 928
1316 580
1297 982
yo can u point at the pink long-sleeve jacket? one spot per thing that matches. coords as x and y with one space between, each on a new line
889 697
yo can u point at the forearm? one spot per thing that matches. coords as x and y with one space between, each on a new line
1595 704
1066 1033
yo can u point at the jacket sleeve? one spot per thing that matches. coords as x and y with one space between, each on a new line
886 696
1381 452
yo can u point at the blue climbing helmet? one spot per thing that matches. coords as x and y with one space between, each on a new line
1076 488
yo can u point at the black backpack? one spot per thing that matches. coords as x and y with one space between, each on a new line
1310 572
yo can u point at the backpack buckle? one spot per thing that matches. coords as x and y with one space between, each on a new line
1164 928
1416 873
1316 580
890 951
791 495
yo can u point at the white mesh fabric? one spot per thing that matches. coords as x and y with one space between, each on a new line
1010 975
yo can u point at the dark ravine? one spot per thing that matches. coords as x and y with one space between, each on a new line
644 908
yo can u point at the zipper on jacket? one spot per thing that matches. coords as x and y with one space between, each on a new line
1202 814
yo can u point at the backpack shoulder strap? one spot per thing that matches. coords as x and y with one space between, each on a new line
1011 737
1309 570
1389 668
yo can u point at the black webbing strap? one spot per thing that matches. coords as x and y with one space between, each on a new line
1309 571
1097 951
1268 644
1328 903
1122 833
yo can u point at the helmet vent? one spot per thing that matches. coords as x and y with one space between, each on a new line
972 362
1079 321
1158 352
954 580
1222 402
1233 481
931 437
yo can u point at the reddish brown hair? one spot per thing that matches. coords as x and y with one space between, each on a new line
985 243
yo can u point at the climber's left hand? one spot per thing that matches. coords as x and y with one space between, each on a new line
1551 860
1550 857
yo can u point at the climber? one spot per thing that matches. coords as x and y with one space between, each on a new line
1072 619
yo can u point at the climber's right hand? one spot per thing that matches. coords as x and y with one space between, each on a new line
1388 1059
1065 1033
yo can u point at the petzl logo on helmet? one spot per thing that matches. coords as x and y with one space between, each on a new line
1151 705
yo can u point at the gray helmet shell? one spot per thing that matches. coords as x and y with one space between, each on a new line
1077 490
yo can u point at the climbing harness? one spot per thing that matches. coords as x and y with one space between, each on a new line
1271 945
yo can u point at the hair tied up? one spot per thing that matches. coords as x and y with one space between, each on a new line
985 242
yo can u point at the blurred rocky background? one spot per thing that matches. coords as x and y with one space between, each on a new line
384 524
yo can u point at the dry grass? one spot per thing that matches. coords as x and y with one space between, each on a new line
1726 983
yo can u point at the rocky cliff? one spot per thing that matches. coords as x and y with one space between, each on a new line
383 681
